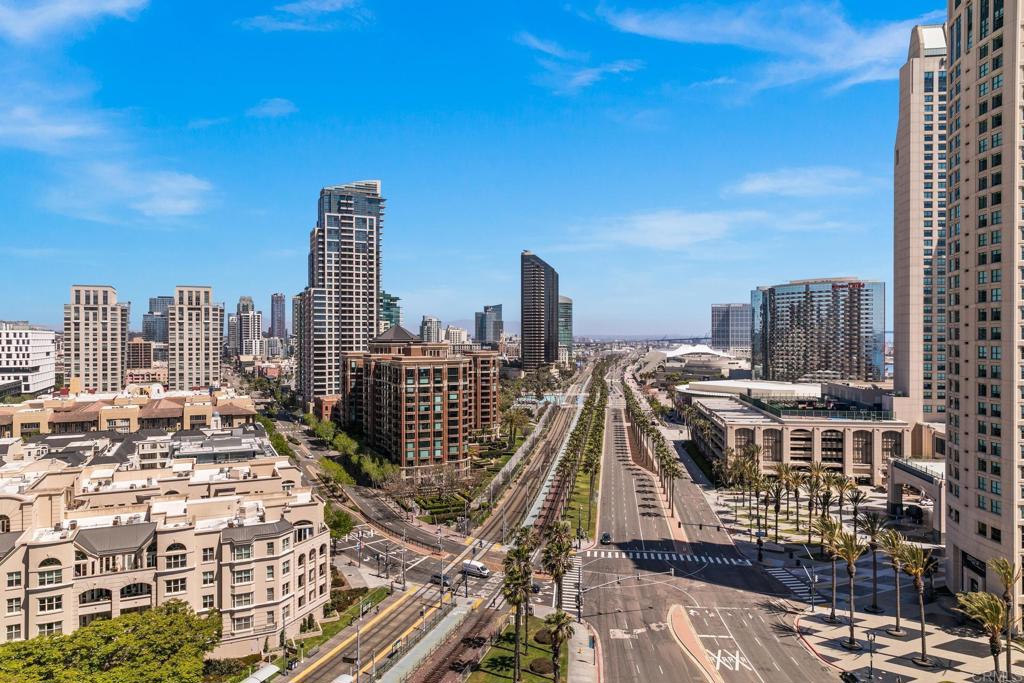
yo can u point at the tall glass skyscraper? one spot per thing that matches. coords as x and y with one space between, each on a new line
341 304
154 323
539 296
277 324
565 329
489 325
819 330
390 311
730 328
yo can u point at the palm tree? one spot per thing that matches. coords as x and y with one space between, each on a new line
892 544
560 626
915 563
813 487
817 471
856 498
872 525
989 611
849 549
673 470
557 557
784 472
516 590
829 529
824 503
757 485
775 490
591 467
799 480
843 487
1010 577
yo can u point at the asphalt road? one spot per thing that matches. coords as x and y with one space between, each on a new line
630 614
736 610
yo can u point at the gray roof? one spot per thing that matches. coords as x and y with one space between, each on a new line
396 333
251 532
122 538
7 542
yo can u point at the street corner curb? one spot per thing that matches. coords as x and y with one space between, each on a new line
811 648
700 658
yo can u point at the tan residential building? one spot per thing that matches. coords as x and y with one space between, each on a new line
125 412
95 339
919 231
195 328
81 543
140 353
985 393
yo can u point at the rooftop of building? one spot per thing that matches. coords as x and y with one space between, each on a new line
753 387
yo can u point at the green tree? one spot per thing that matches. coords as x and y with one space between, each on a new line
560 626
916 562
557 556
1010 576
872 524
989 611
849 549
163 645
829 529
892 544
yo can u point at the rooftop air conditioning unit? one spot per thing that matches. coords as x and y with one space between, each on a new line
73 524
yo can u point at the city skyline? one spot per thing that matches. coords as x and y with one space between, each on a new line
608 76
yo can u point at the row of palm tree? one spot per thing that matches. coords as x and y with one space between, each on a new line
557 559
995 614
655 450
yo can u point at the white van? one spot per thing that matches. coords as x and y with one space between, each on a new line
344 678
474 568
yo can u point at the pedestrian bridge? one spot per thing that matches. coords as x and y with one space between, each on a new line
928 477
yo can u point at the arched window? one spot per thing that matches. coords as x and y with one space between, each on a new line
302 559
136 590
176 557
5 524
50 562
744 437
323 550
832 446
892 444
303 531
772 449
863 445
801 445
175 547
94 595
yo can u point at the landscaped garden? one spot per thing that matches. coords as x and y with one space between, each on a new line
497 664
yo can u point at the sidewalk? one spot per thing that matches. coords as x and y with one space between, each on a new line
958 652
584 660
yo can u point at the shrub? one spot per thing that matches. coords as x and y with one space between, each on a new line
542 666
543 636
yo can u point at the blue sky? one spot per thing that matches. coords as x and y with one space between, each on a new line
662 156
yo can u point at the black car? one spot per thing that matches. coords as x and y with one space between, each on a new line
535 587
441 580
606 538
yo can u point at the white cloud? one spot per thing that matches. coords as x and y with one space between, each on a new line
809 40
101 191
548 47
272 108
714 82
40 129
569 79
808 181
30 21
305 15
199 124
566 72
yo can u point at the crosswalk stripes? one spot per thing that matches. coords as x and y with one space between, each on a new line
569 583
797 586
665 557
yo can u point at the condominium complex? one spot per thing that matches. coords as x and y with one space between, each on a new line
730 328
95 339
919 228
456 335
95 525
27 358
140 353
390 311
984 402
539 298
195 334
419 402
277 325
250 333
430 329
340 307
565 351
819 330
489 325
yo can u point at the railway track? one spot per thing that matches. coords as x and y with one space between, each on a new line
465 647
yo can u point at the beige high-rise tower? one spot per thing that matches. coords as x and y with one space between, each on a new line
95 339
195 326
919 232
984 401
